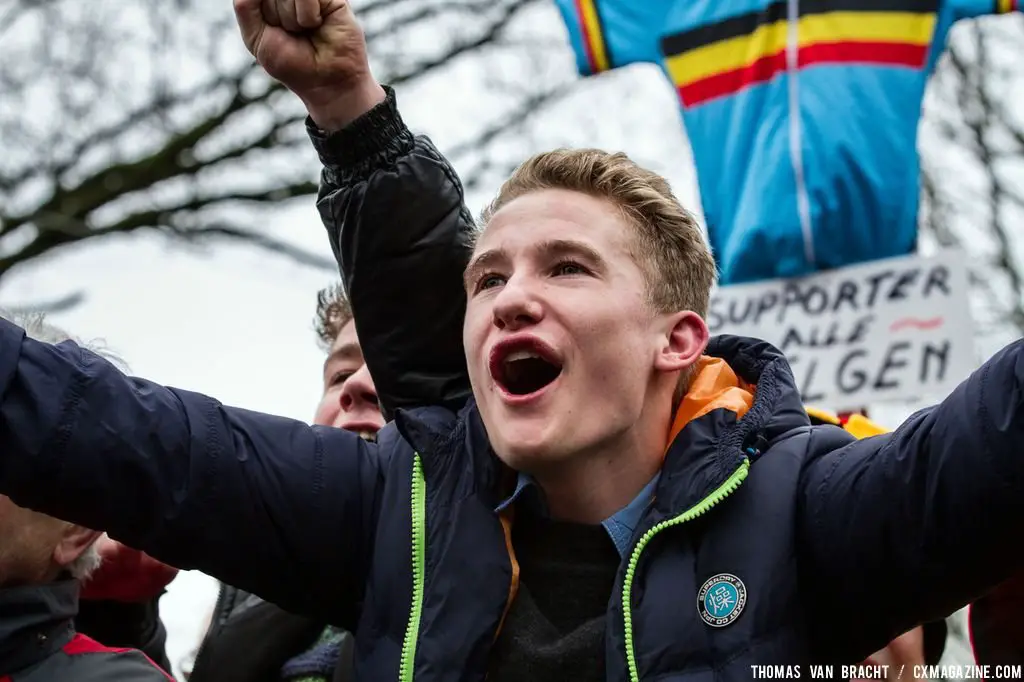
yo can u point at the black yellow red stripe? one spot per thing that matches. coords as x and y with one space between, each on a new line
718 59
592 33
1004 6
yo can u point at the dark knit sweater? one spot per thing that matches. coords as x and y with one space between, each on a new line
555 628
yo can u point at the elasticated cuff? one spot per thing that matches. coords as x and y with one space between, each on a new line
378 132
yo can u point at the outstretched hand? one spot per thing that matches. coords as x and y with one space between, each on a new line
317 49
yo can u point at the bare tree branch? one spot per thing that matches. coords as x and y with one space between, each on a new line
132 140
509 11
131 119
510 122
59 305
260 240
966 196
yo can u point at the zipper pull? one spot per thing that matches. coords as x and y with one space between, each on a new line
757 448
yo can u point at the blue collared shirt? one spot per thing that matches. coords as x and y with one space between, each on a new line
620 525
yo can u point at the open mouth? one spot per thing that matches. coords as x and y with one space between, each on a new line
366 430
524 367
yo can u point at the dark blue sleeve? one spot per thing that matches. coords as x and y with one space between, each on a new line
909 526
267 504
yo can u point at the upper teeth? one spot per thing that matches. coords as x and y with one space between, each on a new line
521 355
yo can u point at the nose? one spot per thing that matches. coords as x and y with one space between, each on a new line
358 391
516 306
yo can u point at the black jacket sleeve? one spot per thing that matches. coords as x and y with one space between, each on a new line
394 212
242 496
910 526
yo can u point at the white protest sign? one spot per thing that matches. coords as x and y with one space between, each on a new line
891 330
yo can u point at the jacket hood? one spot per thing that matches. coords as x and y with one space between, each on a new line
715 385
742 375
743 399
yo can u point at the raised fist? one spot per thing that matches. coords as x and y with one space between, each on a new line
317 50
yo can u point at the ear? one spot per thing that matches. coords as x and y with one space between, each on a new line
73 543
684 343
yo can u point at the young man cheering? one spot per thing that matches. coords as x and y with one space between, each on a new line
756 538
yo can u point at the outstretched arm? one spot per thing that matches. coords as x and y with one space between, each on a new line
245 497
910 526
392 205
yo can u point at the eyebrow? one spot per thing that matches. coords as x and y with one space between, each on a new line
555 248
349 351
479 264
550 248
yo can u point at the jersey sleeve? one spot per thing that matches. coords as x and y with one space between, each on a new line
607 34
967 9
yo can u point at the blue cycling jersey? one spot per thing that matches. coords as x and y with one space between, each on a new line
802 115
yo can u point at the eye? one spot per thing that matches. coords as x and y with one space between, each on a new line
489 281
569 267
339 378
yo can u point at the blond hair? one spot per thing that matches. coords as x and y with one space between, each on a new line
668 244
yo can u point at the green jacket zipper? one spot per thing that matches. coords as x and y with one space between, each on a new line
419 550
693 512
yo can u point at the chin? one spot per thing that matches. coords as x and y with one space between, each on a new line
529 451
525 438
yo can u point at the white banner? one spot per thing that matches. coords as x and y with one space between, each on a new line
892 330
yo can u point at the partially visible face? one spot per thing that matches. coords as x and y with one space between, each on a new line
349 399
27 543
560 339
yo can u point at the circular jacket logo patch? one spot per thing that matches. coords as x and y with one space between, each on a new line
721 599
